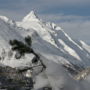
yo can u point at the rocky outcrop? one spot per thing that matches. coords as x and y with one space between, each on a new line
12 79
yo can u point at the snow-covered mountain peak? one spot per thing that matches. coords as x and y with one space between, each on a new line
30 17
50 49
48 40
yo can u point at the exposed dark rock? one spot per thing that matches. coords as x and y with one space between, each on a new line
11 79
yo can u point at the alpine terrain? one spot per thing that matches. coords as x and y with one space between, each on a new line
38 55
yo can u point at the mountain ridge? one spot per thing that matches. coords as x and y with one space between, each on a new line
51 50
52 37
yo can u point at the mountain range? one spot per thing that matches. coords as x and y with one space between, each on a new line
55 48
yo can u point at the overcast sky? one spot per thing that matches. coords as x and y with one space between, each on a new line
72 15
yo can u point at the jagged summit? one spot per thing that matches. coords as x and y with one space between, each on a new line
30 17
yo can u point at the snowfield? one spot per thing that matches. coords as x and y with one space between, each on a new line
54 47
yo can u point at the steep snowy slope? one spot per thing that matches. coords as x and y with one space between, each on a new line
53 43
85 46
9 31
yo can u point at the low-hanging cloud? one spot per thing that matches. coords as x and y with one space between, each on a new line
57 77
